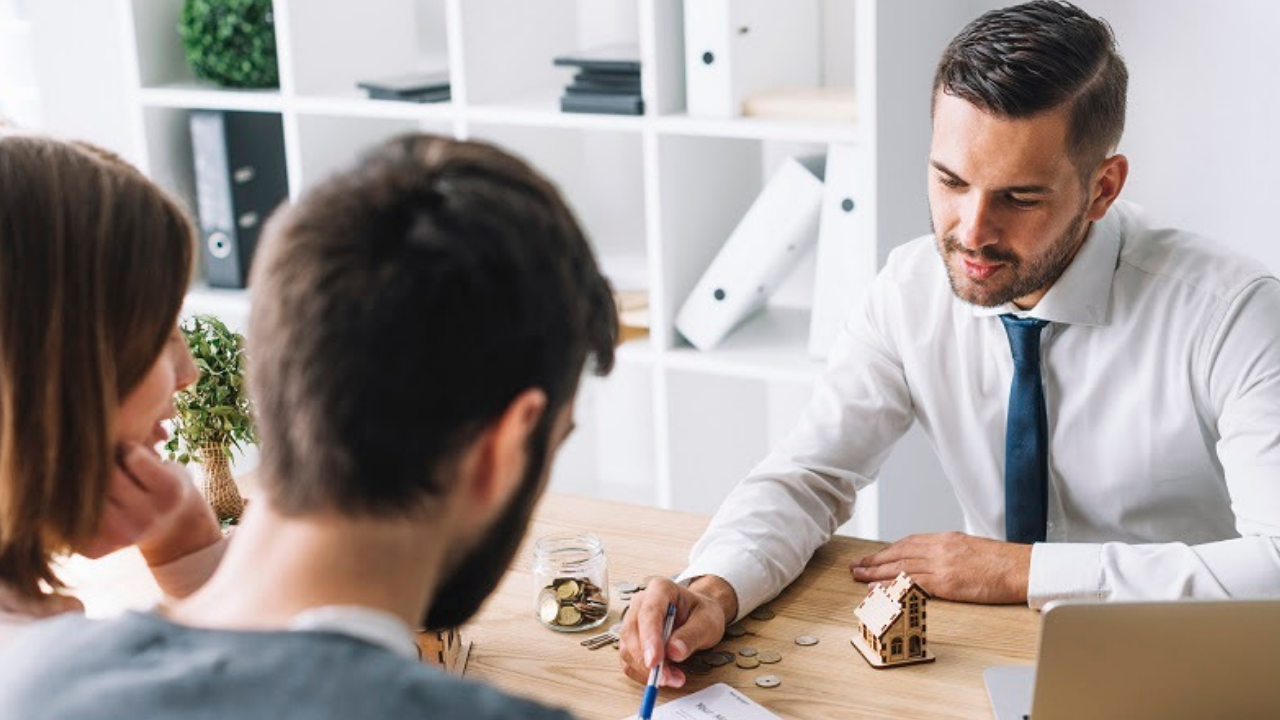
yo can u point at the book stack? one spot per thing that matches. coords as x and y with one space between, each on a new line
412 87
607 81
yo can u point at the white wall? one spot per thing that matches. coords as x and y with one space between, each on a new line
82 67
1204 106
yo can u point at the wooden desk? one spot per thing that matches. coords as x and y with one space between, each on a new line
829 680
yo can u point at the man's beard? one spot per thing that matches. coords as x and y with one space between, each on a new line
480 570
1028 276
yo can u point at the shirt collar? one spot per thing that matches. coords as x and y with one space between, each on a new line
376 627
1082 295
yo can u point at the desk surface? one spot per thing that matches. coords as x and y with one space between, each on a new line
828 680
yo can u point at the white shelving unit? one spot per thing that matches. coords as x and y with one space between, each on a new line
657 194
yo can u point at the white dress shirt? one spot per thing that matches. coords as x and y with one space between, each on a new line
1161 368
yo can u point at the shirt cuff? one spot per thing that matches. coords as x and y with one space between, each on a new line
179 578
744 572
1061 571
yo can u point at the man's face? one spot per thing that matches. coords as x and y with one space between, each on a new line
474 575
1006 202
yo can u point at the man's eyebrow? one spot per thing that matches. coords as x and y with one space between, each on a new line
945 170
1016 189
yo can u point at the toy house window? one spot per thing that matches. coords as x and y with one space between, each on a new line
895 647
915 646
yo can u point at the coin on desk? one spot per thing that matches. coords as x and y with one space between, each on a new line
770 657
735 631
768 681
728 656
746 663
748 652
762 613
697 666
714 659
806 640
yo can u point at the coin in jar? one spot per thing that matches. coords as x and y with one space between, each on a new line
548 607
568 616
567 589
768 681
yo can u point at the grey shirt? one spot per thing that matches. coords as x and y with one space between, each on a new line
143 666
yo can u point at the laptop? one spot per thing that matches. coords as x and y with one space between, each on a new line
1168 660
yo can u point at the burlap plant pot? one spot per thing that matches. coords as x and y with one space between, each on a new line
217 485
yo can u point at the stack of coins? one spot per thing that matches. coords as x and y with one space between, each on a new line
572 603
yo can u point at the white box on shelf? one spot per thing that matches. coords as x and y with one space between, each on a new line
776 230
846 262
737 47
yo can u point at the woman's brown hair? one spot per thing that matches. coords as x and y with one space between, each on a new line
94 263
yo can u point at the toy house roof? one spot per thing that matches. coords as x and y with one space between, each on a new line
883 604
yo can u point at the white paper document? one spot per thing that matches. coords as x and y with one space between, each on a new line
718 702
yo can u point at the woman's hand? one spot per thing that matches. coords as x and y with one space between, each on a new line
154 505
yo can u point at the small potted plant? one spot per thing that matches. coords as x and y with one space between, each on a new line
231 42
213 414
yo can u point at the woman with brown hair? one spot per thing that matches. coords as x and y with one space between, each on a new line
94 264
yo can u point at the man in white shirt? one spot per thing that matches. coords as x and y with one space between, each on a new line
1104 395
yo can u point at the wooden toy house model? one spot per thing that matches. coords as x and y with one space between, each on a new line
444 649
892 624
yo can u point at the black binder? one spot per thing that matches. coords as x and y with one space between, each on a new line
240 178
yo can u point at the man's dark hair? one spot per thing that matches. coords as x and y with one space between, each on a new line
399 308
1024 60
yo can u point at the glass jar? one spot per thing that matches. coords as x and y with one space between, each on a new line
570 582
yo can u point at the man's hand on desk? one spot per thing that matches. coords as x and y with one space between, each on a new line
954 566
703 610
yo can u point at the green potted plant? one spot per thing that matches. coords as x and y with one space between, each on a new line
230 42
213 414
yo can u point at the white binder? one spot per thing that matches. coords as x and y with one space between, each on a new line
737 47
846 259
774 233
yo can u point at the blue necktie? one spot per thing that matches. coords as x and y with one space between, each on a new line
1026 443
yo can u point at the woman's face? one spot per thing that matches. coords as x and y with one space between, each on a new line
151 401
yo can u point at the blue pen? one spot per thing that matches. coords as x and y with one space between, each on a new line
651 690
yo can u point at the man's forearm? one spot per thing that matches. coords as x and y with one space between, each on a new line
1241 567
